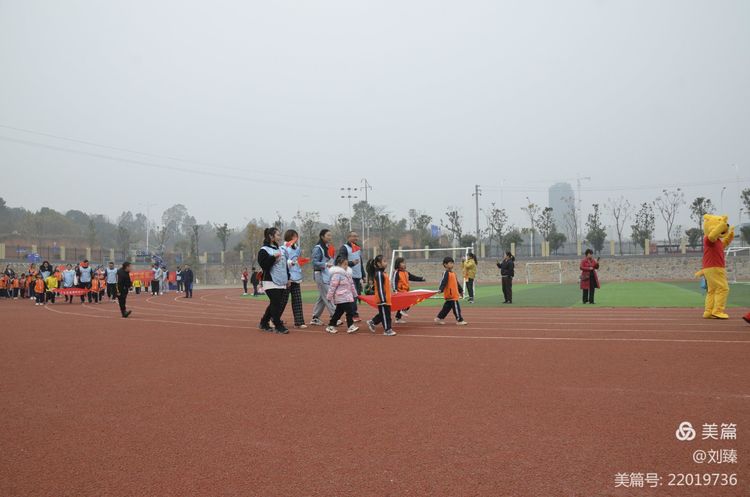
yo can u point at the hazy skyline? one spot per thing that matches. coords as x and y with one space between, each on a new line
273 107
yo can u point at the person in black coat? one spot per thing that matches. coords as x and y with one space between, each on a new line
187 281
507 272
123 287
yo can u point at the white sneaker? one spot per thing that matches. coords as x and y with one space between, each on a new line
389 333
302 326
401 321
371 325
461 323
405 314
244 294
331 329
353 329
339 322
316 322
439 321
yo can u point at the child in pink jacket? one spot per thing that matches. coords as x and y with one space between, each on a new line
342 292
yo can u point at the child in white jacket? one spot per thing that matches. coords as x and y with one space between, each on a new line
342 293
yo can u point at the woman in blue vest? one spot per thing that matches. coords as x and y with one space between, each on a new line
273 262
322 261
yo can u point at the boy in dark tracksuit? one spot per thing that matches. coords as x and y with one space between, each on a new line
382 287
452 291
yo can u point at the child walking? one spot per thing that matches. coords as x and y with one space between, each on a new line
381 284
452 291
342 292
39 289
52 284
401 279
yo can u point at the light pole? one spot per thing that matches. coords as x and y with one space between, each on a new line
348 191
723 189
365 222
148 206
532 226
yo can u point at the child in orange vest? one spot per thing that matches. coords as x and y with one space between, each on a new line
401 279
452 291
102 287
94 290
39 289
4 284
16 284
382 286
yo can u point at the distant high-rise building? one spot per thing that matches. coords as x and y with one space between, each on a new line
560 196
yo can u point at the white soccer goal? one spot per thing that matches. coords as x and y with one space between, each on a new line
544 272
429 253
733 252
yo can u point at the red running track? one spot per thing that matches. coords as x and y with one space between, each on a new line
188 398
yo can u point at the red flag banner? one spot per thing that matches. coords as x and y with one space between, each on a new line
71 291
302 261
401 300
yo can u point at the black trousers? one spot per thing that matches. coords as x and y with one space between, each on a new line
341 309
122 298
507 282
358 286
244 286
188 290
277 302
399 314
154 287
470 288
295 292
255 289
383 316
88 286
448 306
180 285
112 290
588 295
51 297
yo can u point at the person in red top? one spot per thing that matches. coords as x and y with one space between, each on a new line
589 277
718 236
382 286
245 278
452 291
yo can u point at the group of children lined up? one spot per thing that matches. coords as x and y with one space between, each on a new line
338 289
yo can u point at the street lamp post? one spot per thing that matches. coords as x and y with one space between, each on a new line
721 204
348 195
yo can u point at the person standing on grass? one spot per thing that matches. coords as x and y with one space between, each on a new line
452 292
469 270
187 281
245 277
321 262
507 272
589 277
123 287
353 253
254 281
111 275
342 293
272 261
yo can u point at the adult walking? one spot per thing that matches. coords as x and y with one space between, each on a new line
123 287
589 276
507 272
469 270
85 274
322 262
353 253
178 278
292 251
111 276
187 281
155 279
273 262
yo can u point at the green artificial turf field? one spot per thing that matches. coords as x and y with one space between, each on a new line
616 294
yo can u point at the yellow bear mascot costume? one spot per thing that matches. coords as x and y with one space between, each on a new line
718 236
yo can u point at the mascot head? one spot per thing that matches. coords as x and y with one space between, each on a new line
711 222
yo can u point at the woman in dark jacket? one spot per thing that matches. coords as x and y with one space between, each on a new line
589 278
507 272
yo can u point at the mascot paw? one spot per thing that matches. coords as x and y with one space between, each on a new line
720 315
707 315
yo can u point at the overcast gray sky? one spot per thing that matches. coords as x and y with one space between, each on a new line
279 104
